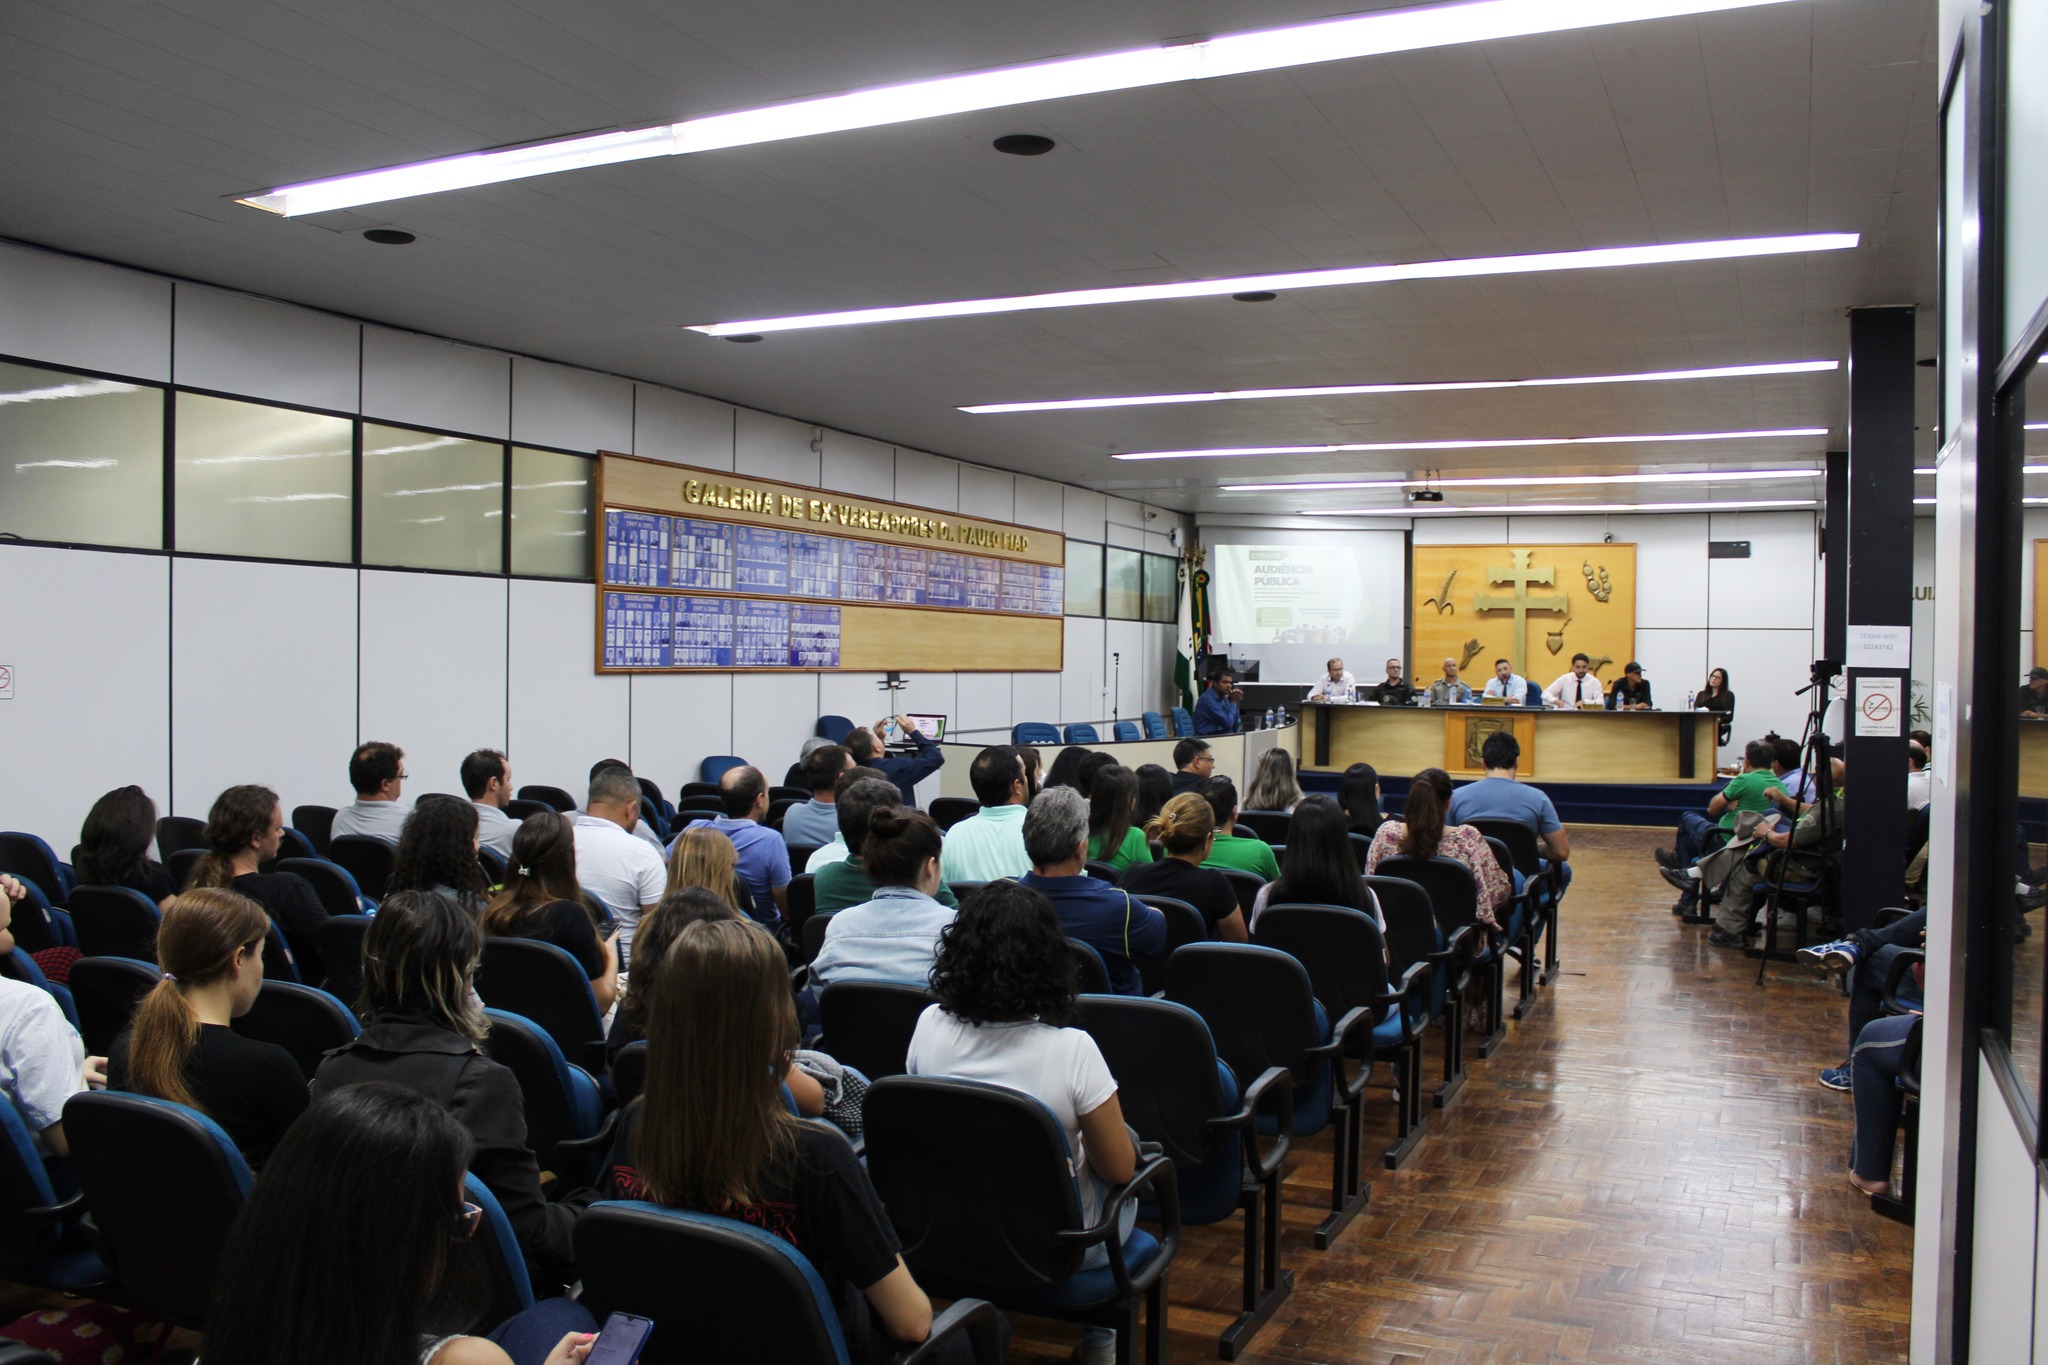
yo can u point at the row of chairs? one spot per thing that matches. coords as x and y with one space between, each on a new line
1120 732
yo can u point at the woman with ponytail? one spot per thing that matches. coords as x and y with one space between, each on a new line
1422 833
243 831
180 1046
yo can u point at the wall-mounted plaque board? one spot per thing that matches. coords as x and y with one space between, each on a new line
703 569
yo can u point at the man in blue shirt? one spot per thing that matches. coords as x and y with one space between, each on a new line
1498 796
907 770
764 858
1216 709
1115 923
816 821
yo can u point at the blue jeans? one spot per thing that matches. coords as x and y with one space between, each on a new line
1879 949
529 1335
1874 1077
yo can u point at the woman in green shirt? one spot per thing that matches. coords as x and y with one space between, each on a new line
1113 838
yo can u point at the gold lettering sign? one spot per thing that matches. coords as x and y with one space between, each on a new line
850 515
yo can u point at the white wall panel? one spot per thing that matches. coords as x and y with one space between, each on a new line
1460 530
1671 569
561 717
927 480
1674 663
987 493
682 429
1081 686
554 405
1086 514
1162 654
87 636
678 718
1129 537
283 715
81 313
985 701
1774 586
775 448
2005 1237
1765 667
241 344
772 713
1565 530
432 671
1159 542
858 697
1124 512
1040 502
854 464
424 381
1127 686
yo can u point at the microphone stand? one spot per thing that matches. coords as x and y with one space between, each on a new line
1116 697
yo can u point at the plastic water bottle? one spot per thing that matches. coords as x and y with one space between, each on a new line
1269 718
1283 715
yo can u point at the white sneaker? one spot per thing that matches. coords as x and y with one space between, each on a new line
1098 1347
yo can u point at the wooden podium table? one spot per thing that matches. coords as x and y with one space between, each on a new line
1557 746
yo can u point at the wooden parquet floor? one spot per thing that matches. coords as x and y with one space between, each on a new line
1646 1170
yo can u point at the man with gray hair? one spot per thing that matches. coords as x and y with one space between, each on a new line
1114 923
621 872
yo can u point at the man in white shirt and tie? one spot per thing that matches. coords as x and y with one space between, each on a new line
1335 685
1576 687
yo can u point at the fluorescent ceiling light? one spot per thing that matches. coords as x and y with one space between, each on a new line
1594 259
1367 35
1473 445
1355 390
1560 508
1532 481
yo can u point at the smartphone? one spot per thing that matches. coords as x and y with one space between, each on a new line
620 1343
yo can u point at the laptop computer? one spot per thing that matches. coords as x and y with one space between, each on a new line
932 728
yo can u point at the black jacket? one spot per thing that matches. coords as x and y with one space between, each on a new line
412 1050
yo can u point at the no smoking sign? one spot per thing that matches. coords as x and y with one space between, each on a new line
1877 708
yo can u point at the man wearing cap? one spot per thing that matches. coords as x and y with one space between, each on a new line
1630 692
1576 688
2034 696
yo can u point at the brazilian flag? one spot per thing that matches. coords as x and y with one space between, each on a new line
1193 656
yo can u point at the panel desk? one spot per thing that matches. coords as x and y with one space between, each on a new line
1628 747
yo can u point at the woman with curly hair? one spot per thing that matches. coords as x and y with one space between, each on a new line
437 852
1005 984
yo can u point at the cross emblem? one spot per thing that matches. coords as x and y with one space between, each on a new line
1520 603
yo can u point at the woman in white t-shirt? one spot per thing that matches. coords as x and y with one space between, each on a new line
1005 983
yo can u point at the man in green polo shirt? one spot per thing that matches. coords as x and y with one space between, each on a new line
1755 788
1247 853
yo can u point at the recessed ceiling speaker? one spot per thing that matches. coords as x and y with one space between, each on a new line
1023 144
389 237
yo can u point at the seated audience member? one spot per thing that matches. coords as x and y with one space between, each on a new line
1155 789
1795 787
711 1133
893 936
243 831
541 900
425 1030
869 750
1185 828
1797 855
1113 835
377 772
702 857
1216 709
115 843
1246 852
1919 779
1337 684
1748 790
1422 832
487 779
622 873
1631 691
834 849
346 1252
816 821
844 883
181 1046
1392 690
989 844
797 776
42 1060
1358 792
1066 767
1716 697
437 852
1094 763
763 857
1193 763
1867 956
1499 796
1874 1067
1274 786
641 829
1321 866
1034 780
1108 919
2034 694
1006 987
1578 687
1506 684
1450 689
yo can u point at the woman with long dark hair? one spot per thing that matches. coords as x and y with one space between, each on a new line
1358 792
1066 768
181 1046
1155 789
437 852
114 844
1320 866
1113 833
712 1133
541 900
243 831
347 1251
425 1031
1422 833
1716 697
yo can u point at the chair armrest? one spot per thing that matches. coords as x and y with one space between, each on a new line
13 1352
1340 1042
596 1060
1901 964
597 1141
1412 982
1159 1174
1272 1078
54 1213
977 1319
1890 914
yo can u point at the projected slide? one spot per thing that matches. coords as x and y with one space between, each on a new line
1294 599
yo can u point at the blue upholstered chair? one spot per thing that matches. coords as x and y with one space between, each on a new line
566 1125
27 856
1155 726
1034 732
1183 723
41 1240
1083 734
833 728
1127 732
717 766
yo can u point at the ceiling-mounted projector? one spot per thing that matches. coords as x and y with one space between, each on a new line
1426 495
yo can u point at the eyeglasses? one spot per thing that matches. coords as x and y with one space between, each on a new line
467 1221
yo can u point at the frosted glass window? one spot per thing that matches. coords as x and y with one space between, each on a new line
1123 584
81 460
1084 579
1161 585
552 496
2024 148
265 482
432 502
